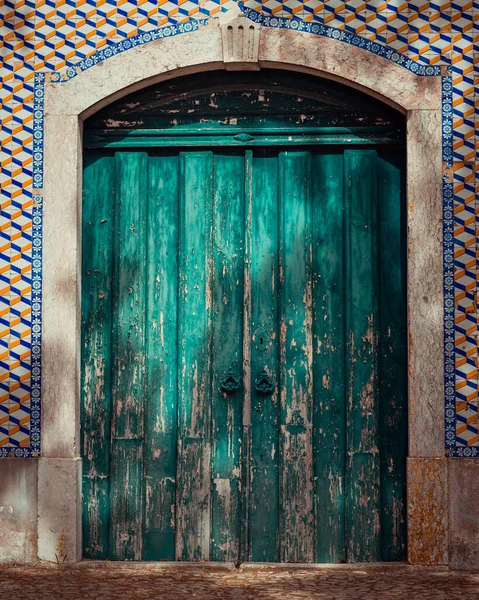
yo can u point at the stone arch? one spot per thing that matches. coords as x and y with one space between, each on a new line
68 103
202 51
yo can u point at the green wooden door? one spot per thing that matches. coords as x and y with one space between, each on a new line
244 364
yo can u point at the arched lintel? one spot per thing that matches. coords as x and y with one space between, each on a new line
201 51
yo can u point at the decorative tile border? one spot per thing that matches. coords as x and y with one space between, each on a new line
122 46
343 36
448 243
427 38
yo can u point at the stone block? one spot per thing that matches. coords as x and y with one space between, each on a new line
425 280
427 511
59 510
350 64
61 266
18 511
463 483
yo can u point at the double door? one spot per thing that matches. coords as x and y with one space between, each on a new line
243 368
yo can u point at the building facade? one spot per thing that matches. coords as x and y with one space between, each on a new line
66 63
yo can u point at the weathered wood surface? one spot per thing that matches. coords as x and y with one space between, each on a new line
126 499
296 381
98 190
286 265
229 194
246 438
129 268
329 418
195 299
264 495
392 355
128 356
266 102
363 508
161 400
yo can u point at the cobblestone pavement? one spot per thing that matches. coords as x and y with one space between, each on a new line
112 581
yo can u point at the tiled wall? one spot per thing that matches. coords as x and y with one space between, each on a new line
68 36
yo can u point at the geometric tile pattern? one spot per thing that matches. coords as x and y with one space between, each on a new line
64 37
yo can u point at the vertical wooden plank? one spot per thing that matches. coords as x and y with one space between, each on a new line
363 502
297 518
245 540
193 519
98 196
162 364
126 499
129 297
128 350
393 355
228 236
264 514
329 353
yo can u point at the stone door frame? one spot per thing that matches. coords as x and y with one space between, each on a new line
69 103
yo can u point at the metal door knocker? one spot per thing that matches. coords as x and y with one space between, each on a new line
264 384
229 382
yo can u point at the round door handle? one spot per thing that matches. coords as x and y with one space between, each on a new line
264 383
229 383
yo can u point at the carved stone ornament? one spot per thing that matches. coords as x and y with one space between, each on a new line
240 38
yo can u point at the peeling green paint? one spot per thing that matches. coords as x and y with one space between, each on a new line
278 263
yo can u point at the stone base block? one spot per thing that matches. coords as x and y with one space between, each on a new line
427 511
18 511
463 479
59 509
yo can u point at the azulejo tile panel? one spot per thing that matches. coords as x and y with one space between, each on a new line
66 37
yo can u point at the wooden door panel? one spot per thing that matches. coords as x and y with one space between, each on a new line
392 355
97 315
161 402
296 381
129 264
227 404
263 500
281 273
128 352
195 317
361 324
329 418
126 499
